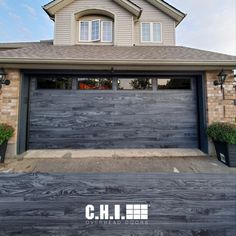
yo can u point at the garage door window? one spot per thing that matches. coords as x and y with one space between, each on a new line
54 83
94 84
134 84
174 83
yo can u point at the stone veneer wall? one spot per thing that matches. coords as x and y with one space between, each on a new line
9 105
220 107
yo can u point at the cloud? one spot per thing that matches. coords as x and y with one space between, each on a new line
14 16
30 10
209 25
25 31
4 4
18 24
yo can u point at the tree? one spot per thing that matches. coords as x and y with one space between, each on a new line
141 84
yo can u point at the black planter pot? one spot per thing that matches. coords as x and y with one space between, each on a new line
3 149
226 153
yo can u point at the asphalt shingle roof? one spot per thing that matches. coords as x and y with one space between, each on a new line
7 46
47 51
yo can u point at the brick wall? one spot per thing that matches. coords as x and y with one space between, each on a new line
219 107
9 104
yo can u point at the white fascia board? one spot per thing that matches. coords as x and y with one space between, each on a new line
118 62
168 9
135 10
54 6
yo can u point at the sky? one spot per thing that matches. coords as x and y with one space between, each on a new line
209 25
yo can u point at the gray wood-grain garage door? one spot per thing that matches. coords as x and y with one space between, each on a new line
75 119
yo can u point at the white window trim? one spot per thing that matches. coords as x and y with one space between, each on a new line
141 30
151 32
100 30
105 41
161 31
90 33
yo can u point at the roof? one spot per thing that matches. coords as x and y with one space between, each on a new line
114 55
7 46
56 5
130 6
168 9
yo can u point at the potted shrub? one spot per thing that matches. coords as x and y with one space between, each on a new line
6 132
224 138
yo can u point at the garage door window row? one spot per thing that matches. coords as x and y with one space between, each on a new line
119 84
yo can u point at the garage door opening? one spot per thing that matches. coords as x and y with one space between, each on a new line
72 112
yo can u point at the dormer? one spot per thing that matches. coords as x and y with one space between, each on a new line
114 22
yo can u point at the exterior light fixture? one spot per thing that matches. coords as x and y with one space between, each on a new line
112 70
221 79
3 79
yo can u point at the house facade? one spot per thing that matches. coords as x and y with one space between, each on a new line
113 78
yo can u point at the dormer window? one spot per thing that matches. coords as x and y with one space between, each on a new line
107 31
151 32
96 31
84 31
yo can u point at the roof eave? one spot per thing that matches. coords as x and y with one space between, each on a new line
52 17
180 19
52 7
219 63
129 6
173 12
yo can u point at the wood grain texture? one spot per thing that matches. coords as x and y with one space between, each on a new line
232 155
181 204
101 120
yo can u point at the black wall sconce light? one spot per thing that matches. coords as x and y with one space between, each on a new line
3 80
222 76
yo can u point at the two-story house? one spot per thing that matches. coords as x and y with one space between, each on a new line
113 78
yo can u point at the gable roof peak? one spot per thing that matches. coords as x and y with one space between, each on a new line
170 10
56 5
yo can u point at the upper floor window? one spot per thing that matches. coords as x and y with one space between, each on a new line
151 32
95 31
107 31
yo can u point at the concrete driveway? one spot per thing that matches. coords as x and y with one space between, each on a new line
197 164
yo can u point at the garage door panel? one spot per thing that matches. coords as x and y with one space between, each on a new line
157 116
116 125
115 133
95 110
118 100
114 119
113 144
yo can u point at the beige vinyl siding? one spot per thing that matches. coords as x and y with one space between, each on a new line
152 14
65 23
62 31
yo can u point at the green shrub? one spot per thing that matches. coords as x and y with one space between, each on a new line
6 132
222 132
